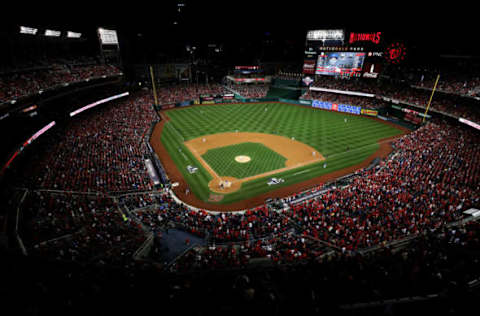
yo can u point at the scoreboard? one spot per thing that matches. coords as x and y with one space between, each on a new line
344 54
339 63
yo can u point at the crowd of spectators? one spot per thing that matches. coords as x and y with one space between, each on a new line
100 152
457 76
251 91
450 103
28 82
418 189
292 76
441 265
185 92
431 177
364 102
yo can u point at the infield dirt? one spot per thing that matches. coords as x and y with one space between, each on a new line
297 154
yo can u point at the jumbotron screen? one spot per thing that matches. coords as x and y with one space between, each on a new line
108 37
340 63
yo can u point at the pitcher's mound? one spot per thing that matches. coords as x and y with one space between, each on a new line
242 159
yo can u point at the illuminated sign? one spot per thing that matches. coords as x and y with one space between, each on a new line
365 37
395 53
369 112
108 36
323 35
31 108
73 34
309 66
28 30
346 108
307 81
247 67
97 103
369 95
375 54
248 80
52 33
470 123
39 133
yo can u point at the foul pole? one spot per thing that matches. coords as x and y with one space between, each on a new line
153 86
431 97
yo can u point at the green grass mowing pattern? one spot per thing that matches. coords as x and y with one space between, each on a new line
337 162
263 159
198 182
325 131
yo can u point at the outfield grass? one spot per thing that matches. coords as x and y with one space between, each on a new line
325 131
263 159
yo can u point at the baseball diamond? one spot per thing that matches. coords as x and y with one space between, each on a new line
291 142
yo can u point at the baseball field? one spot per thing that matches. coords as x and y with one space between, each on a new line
235 155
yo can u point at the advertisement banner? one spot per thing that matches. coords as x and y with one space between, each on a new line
167 106
369 112
309 66
321 105
305 102
346 108
184 103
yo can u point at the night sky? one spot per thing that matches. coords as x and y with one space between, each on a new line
152 28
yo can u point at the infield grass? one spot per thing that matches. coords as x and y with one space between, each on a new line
263 159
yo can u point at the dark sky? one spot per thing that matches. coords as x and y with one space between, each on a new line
450 27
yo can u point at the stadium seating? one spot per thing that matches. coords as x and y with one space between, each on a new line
447 103
179 93
431 178
250 91
28 82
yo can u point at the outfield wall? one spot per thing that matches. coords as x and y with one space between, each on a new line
346 108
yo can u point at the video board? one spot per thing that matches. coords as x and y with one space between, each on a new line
340 63
108 37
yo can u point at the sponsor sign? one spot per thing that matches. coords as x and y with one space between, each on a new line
306 102
309 66
167 106
365 37
323 35
369 112
321 105
345 108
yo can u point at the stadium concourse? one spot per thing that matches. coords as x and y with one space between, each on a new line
89 200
